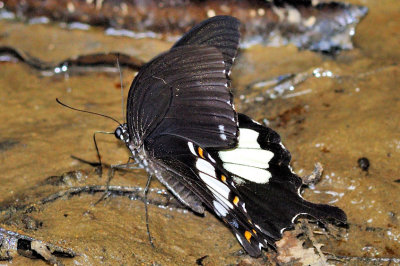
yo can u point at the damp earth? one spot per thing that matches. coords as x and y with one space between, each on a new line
342 108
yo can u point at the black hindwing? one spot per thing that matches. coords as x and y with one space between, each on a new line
257 212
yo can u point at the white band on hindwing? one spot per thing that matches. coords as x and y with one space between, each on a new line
248 160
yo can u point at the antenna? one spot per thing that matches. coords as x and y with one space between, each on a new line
122 87
89 112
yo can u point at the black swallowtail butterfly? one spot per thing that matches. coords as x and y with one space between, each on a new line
182 128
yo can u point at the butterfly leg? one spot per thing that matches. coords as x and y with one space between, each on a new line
111 172
99 166
106 192
146 189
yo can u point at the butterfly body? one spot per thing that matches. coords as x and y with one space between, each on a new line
183 129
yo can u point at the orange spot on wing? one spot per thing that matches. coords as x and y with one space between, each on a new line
254 231
223 178
201 153
247 235
236 200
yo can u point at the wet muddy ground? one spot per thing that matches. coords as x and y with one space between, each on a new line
347 109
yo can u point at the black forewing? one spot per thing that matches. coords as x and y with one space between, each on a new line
221 32
183 92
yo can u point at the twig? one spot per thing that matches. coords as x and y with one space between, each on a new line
164 200
13 243
315 176
362 259
316 245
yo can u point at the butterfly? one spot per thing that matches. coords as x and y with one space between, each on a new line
182 128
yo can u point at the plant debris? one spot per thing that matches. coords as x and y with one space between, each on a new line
13 243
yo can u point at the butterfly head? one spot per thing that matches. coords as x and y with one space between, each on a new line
121 133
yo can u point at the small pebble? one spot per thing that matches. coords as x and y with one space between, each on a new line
363 163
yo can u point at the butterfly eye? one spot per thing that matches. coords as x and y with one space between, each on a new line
119 133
